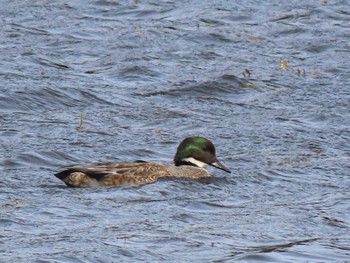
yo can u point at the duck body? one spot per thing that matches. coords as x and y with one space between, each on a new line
192 155
125 173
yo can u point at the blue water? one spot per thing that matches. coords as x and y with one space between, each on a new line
144 75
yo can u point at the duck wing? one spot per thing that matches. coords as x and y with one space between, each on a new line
112 173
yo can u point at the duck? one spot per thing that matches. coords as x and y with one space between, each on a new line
192 155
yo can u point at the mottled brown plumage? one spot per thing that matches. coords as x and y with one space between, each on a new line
192 154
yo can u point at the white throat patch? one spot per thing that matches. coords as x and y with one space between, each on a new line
195 162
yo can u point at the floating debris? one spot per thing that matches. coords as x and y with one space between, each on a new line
15 203
80 125
246 73
284 64
255 38
299 71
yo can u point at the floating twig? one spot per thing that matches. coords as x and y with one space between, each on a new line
80 125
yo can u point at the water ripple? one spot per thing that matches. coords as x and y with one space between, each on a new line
101 80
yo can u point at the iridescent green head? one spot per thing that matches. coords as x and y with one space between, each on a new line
197 151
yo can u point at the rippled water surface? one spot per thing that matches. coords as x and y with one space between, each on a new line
145 74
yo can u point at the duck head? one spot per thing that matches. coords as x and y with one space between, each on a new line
197 151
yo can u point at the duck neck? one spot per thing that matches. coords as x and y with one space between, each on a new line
191 161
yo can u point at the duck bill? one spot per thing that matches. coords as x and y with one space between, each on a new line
219 165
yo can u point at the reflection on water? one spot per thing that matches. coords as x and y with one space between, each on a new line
145 75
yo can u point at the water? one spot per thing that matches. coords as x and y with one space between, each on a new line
146 74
